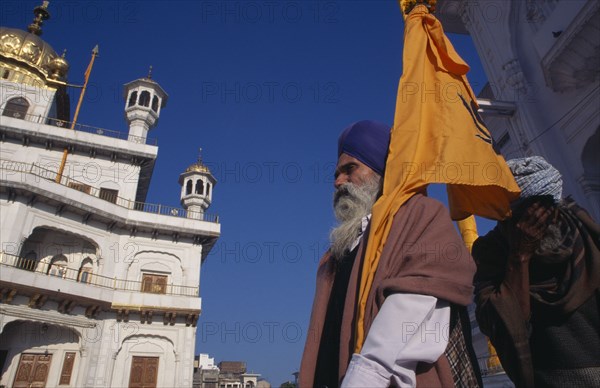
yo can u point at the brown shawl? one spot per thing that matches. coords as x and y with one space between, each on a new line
498 311
423 255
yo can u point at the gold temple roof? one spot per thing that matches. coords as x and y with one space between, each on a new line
198 167
27 49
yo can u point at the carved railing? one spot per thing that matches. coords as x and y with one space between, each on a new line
86 276
77 127
50 175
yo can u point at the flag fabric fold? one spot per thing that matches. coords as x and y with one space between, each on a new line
437 137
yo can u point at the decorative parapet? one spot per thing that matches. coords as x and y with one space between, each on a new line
43 173
79 127
92 279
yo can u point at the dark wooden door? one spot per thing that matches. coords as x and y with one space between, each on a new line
144 372
33 370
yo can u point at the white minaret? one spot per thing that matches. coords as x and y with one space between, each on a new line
144 99
197 185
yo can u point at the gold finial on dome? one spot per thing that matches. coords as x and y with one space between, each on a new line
150 72
59 67
200 155
41 14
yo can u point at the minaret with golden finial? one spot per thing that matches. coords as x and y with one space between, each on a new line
144 99
197 185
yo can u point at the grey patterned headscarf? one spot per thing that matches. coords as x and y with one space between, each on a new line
535 176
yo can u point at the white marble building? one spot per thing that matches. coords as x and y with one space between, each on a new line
542 60
97 287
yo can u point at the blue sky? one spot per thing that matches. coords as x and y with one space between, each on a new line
264 87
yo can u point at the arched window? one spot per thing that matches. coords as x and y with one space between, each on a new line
16 107
132 98
145 98
155 104
85 271
207 188
199 187
188 187
58 266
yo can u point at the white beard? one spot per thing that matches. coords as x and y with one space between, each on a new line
351 204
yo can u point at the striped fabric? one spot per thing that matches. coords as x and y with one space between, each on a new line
535 176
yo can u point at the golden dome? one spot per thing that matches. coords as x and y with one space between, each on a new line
198 167
30 50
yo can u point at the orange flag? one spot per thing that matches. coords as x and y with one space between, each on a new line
438 137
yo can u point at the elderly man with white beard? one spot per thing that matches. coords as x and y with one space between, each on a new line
416 322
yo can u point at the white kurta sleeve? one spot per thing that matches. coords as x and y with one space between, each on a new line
408 329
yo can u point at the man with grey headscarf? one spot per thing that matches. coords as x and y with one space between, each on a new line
537 284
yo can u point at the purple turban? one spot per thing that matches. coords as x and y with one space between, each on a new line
367 141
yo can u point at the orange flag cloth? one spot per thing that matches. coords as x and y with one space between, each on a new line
438 137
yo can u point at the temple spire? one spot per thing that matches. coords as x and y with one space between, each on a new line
41 14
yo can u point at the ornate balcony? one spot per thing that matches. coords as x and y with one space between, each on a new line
92 279
43 173
77 127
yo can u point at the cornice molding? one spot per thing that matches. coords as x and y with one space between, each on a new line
51 317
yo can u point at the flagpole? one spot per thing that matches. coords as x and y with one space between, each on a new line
87 77
88 71
468 231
